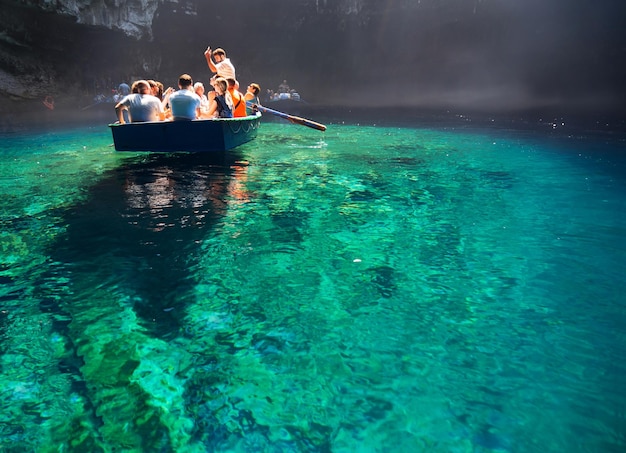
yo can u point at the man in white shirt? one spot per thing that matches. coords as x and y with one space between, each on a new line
141 105
185 103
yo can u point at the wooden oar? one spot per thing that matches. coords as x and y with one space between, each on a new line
91 105
293 119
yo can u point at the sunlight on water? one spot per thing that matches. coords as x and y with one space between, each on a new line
367 289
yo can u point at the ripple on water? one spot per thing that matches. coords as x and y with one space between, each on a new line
404 289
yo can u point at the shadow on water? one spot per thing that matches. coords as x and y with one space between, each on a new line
136 235
117 284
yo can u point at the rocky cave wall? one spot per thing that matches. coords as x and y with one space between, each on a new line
345 51
71 48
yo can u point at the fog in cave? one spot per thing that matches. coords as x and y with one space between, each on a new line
485 54
482 54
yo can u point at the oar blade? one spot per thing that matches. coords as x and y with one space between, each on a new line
293 119
308 123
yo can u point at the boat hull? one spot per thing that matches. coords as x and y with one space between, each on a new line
212 135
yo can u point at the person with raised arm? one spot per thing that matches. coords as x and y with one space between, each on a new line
219 64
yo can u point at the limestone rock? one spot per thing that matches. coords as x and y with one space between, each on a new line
133 17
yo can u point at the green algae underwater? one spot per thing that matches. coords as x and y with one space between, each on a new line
373 288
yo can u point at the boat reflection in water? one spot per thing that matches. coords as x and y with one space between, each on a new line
129 258
163 206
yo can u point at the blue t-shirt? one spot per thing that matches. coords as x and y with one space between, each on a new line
184 104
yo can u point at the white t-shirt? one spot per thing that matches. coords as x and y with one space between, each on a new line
143 107
205 105
184 104
226 69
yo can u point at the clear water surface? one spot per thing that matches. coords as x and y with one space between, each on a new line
374 288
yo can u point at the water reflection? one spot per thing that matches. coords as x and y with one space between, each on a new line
138 231
193 184
323 299
120 276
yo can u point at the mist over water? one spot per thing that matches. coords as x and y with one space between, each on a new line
489 55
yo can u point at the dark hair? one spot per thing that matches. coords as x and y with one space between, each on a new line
231 82
138 85
185 80
256 88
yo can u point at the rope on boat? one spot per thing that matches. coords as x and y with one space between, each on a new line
230 124
247 126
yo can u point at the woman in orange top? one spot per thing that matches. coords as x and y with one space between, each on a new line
239 103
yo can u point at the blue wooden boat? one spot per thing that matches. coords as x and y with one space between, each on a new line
219 134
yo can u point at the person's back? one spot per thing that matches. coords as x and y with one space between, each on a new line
185 104
239 103
141 106
144 107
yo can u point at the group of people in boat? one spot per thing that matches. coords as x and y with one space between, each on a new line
283 92
147 100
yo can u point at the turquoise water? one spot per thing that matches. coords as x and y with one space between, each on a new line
370 289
